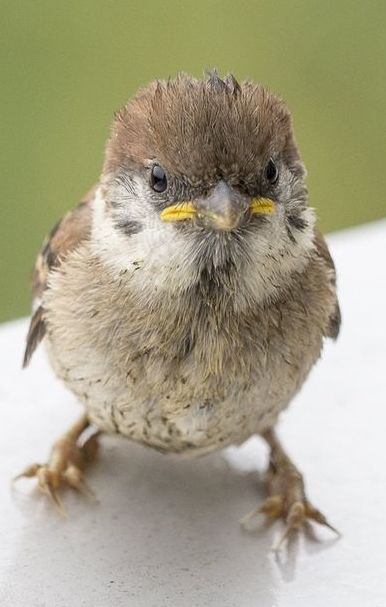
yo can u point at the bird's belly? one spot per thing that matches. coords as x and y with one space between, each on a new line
180 414
184 423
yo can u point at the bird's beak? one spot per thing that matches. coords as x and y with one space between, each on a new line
222 209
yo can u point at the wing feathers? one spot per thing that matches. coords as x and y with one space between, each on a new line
66 236
332 330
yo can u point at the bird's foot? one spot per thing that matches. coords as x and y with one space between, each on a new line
286 495
296 514
66 464
287 501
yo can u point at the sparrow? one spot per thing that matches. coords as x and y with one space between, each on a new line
185 300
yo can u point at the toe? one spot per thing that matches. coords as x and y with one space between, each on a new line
28 472
49 482
75 479
273 506
296 515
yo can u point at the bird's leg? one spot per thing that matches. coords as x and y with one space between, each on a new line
286 494
66 463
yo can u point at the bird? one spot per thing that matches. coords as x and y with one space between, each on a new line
186 298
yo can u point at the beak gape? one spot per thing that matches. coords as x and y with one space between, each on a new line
221 210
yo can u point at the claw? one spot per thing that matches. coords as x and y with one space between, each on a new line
318 517
50 491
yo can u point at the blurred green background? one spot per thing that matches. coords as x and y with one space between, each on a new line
66 66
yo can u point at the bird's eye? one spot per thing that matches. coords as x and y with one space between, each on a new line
271 172
158 180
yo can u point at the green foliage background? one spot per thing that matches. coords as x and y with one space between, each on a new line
66 66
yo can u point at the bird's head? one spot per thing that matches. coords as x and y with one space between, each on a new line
204 176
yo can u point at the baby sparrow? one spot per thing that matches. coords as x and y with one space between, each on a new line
186 298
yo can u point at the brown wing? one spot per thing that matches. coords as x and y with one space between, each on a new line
68 233
323 252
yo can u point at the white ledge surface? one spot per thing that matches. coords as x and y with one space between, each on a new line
165 530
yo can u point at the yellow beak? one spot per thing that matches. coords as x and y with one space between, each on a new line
187 210
177 212
262 205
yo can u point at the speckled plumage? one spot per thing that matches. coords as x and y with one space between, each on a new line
181 336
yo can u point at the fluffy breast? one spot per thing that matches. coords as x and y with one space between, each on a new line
186 374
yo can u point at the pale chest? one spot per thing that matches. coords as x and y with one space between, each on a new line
189 380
